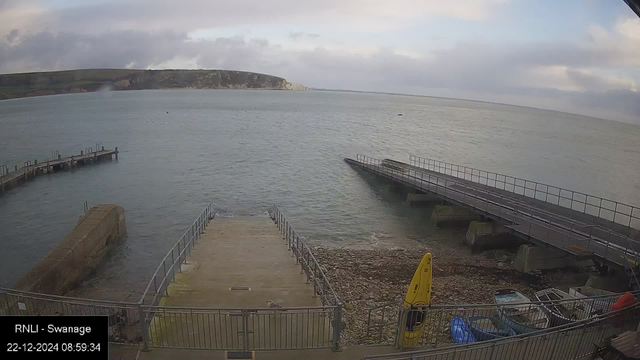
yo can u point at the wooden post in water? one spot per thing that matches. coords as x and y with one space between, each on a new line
116 153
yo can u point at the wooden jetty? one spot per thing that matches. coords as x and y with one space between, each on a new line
30 170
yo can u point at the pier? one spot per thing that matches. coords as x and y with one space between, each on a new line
241 284
10 178
579 225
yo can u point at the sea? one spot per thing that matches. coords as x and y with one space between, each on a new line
245 150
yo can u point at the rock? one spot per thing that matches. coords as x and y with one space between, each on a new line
367 279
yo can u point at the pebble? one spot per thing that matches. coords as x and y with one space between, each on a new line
364 279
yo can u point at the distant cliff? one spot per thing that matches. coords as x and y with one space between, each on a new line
76 81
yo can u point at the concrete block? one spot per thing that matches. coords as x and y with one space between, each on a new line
531 257
421 199
452 214
611 283
395 188
487 235
82 249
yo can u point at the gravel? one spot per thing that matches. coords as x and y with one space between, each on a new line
367 278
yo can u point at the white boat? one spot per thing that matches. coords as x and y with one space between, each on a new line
599 301
517 312
561 307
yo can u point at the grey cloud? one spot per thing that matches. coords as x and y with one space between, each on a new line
12 35
297 35
47 51
467 68
180 16
624 101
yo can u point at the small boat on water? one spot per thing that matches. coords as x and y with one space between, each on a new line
488 328
602 300
562 312
518 313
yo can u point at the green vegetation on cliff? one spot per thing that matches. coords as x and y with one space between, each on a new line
75 81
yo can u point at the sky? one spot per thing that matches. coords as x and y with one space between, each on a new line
580 56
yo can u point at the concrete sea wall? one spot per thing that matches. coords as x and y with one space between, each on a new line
98 231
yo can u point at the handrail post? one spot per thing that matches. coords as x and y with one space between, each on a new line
179 258
337 324
144 328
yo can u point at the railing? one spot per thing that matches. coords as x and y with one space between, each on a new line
611 210
189 327
571 341
124 318
382 324
306 259
310 266
561 232
242 329
436 332
172 262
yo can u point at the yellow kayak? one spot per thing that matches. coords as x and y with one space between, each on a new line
419 293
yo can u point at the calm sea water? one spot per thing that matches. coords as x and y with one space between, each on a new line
245 150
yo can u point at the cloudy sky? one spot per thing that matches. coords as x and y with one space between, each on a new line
580 56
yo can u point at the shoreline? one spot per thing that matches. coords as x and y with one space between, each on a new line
367 278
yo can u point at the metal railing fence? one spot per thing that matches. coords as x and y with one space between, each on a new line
124 318
304 256
172 262
571 341
384 321
241 329
571 236
611 210
313 271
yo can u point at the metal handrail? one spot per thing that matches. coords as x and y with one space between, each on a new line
493 179
66 299
205 308
183 246
582 304
426 163
305 257
545 334
442 186
313 270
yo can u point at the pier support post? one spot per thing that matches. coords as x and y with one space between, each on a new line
487 235
415 200
531 257
609 282
394 188
116 153
452 214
